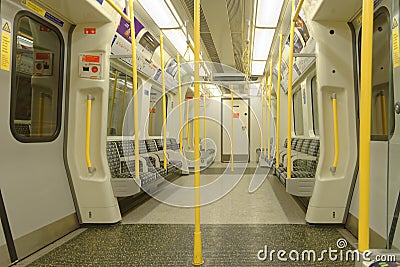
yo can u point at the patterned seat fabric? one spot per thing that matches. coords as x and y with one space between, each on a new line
113 159
159 143
302 168
151 145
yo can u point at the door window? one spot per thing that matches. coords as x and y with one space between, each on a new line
36 90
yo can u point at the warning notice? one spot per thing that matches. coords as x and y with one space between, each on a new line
396 48
5 45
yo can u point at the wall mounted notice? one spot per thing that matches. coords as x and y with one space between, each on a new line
5 45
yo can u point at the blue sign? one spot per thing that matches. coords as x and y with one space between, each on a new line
54 19
146 92
100 1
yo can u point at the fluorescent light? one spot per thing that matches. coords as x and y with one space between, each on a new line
171 7
159 11
178 39
262 43
268 12
257 67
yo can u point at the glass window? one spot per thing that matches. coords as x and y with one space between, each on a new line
314 98
156 113
36 91
382 102
298 113
118 102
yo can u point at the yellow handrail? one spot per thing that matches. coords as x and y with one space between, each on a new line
270 117
164 100
205 122
116 8
264 108
295 12
232 131
90 167
335 132
298 9
365 123
278 100
197 248
178 59
188 133
41 112
123 107
384 113
112 101
135 89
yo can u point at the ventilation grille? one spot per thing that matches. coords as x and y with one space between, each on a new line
204 31
235 14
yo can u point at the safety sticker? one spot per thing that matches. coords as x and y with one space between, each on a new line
5 45
32 6
396 48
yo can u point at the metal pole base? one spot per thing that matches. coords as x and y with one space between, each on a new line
198 250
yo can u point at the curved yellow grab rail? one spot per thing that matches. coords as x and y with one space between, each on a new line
89 100
335 132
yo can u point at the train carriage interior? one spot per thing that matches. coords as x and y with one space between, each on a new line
200 133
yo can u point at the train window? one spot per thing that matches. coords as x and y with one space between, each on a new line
119 103
382 104
156 113
36 90
314 98
298 113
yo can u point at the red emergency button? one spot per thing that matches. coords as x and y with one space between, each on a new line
38 66
95 69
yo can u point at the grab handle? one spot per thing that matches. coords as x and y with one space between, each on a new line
90 99
336 132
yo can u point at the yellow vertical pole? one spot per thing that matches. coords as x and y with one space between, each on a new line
270 117
164 100
150 123
197 248
112 101
135 89
290 103
384 113
188 124
262 117
178 59
232 131
278 100
205 122
41 112
365 123
265 118
123 107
